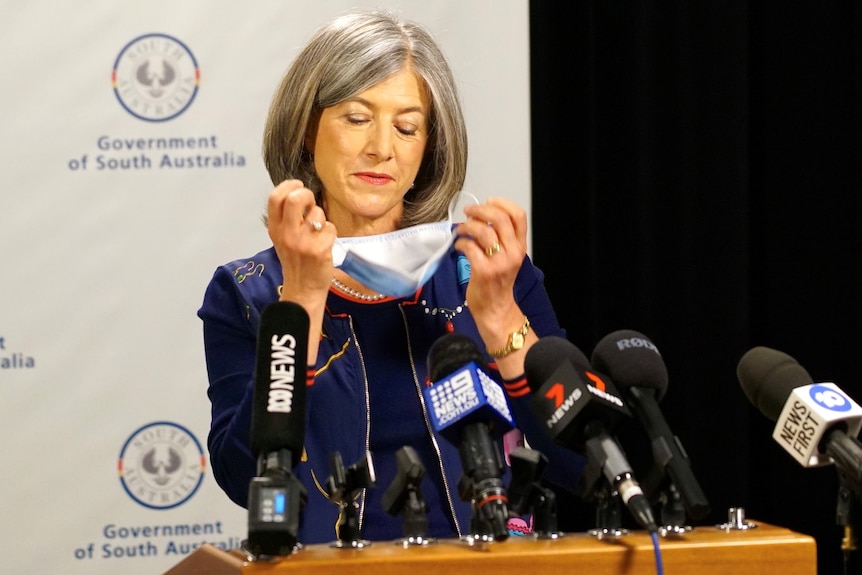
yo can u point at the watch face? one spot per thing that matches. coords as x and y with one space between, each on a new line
517 340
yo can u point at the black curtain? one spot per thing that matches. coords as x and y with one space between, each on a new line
696 177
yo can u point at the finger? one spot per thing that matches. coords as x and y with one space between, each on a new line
506 220
493 249
482 233
315 219
469 247
491 229
516 215
276 202
299 203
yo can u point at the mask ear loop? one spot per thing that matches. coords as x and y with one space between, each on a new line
456 201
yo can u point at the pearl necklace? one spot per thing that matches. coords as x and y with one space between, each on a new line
357 294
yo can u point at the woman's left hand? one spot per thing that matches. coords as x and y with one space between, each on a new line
494 239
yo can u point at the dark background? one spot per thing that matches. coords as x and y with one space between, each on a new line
696 177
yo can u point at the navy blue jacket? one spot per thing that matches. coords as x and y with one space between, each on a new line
366 393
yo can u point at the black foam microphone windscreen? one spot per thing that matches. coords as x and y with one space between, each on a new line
278 406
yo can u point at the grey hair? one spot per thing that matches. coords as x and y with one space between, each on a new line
349 55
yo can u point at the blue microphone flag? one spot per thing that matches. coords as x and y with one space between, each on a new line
464 396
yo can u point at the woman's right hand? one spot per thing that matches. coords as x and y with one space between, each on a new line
303 241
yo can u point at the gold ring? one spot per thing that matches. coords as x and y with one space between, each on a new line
493 249
315 225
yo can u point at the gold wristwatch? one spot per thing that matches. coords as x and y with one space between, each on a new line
516 341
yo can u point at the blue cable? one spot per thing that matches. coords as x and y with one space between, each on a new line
658 563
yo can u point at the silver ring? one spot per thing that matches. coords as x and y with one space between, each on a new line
315 225
493 249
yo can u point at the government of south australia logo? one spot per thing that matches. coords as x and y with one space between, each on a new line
155 77
161 465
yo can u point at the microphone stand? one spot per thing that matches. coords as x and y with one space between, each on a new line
847 515
404 496
344 486
672 511
847 455
482 486
594 489
481 529
661 490
527 495
608 514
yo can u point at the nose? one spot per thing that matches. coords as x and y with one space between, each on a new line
380 142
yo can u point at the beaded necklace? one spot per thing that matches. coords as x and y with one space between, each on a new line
445 312
357 294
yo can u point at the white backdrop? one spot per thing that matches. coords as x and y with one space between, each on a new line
106 250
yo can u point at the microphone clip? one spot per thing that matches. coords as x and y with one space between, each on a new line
404 496
275 500
344 486
528 495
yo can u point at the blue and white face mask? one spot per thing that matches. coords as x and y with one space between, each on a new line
396 263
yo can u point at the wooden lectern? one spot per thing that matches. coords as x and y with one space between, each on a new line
763 550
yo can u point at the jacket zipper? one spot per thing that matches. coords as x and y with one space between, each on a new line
428 427
367 414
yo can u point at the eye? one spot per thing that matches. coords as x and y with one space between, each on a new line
407 130
357 119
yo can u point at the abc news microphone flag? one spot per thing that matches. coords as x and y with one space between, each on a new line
124 187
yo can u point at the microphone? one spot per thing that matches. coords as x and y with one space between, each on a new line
580 408
634 363
276 496
469 409
816 423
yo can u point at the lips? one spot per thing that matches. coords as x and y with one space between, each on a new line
374 178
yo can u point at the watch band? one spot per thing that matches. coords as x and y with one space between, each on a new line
516 341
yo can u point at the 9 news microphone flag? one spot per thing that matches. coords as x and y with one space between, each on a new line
469 409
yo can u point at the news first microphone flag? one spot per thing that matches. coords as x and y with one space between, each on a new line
808 413
118 201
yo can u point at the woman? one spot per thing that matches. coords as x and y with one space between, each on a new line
365 140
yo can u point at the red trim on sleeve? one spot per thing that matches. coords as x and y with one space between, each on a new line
516 387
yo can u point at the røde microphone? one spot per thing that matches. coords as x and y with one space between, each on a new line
580 408
278 429
634 363
469 409
816 423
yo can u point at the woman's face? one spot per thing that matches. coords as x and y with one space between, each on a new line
367 152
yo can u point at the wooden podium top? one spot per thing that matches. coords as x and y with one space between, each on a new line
764 550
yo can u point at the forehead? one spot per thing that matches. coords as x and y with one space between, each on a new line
404 89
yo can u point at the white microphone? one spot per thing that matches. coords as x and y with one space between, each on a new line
816 423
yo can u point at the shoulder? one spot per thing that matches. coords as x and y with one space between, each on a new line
257 269
246 284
